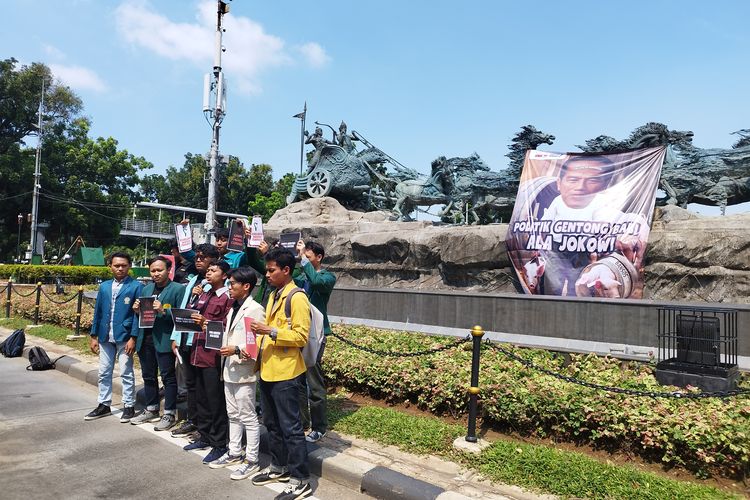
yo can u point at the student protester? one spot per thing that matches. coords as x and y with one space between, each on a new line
154 346
282 369
112 336
205 255
318 283
184 268
212 421
234 259
239 377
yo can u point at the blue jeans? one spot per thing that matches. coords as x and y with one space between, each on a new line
286 441
107 353
151 360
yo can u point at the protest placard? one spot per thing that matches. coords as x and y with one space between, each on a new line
251 347
182 320
289 240
256 232
236 241
214 335
184 237
147 313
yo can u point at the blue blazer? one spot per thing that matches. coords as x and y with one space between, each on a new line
123 320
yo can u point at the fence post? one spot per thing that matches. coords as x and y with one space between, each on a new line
7 299
38 300
78 311
471 434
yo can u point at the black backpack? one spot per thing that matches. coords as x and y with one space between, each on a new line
12 347
38 360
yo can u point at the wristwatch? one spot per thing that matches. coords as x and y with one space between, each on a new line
274 332
237 350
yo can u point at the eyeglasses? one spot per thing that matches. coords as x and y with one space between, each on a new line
232 283
201 257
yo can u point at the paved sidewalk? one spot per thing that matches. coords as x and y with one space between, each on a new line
362 465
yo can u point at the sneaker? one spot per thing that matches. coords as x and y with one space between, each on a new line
167 422
226 460
245 470
185 428
295 491
269 476
314 436
193 437
215 454
127 414
100 411
146 416
198 445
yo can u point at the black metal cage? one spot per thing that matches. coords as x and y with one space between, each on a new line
698 340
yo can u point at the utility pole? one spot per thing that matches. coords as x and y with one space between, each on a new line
37 178
214 87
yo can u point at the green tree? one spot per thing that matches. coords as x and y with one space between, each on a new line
267 205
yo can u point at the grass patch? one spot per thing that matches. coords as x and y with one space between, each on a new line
56 334
14 323
535 467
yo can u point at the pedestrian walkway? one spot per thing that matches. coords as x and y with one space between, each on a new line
361 465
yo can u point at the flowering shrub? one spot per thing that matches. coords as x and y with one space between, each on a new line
707 436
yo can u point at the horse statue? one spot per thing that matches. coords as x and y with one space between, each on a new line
528 138
435 190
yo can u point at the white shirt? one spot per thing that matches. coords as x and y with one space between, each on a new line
116 286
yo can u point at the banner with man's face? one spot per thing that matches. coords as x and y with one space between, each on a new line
581 222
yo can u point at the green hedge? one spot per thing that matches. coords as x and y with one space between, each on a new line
24 273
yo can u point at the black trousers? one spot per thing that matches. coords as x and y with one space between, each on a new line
189 372
313 391
212 420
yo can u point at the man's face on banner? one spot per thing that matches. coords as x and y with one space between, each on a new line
581 181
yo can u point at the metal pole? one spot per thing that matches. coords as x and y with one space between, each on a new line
18 245
302 140
471 432
38 300
37 178
7 299
78 310
218 115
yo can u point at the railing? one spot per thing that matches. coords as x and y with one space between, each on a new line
148 226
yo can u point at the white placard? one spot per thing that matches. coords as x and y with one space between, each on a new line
256 232
184 237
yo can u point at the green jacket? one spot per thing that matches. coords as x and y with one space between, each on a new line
318 285
171 296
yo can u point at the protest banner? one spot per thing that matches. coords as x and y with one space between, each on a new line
581 222
182 320
256 232
146 312
289 241
184 237
214 335
236 241
173 265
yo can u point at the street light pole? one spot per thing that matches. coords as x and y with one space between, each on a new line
18 245
37 178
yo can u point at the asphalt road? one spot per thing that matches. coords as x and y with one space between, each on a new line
47 450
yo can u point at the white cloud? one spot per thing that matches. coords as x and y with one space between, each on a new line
53 51
78 77
250 50
314 54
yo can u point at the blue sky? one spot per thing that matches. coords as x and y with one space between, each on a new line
418 79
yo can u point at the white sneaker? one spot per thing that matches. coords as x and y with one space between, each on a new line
226 460
245 470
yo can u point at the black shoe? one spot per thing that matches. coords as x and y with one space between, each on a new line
268 476
127 414
295 492
184 429
100 411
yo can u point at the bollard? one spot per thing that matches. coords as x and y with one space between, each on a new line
7 299
38 300
78 311
476 333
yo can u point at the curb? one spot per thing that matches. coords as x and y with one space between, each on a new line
354 473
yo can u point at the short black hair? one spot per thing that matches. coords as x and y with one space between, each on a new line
173 244
283 257
121 255
316 248
222 232
208 250
221 264
160 258
244 275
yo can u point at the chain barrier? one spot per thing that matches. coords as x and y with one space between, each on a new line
15 290
370 350
620 390
3 289
58 301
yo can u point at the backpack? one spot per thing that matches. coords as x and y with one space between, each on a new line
315 336
38 360
12 347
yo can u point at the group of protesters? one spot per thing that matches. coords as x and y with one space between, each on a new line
261 285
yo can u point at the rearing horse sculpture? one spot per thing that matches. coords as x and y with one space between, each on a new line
436 190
